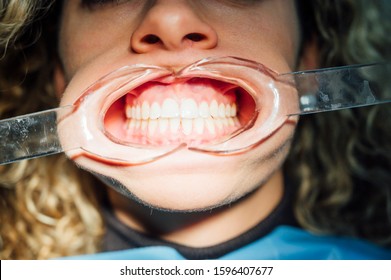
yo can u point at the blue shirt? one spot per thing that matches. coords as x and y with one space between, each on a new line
283 243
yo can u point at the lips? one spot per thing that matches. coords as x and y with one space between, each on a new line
140 113
191 111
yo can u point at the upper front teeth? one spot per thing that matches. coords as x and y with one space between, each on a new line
186 109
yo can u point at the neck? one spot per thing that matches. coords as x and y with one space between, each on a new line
201 229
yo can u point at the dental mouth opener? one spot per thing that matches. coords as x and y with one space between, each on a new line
290 94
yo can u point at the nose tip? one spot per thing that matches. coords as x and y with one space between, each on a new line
172 28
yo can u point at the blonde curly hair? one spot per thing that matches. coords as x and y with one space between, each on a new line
340 161
48 207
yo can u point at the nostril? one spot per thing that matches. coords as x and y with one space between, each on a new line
195 37
150 39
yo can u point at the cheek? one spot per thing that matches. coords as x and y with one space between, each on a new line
74 51
79 44
272 39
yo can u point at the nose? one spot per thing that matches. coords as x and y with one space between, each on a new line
172 25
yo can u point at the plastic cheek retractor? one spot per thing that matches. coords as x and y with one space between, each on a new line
83 131
264 102
97 125
115 120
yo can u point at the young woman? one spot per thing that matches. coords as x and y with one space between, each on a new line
327 173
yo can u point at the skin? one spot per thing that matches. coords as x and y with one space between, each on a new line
237 191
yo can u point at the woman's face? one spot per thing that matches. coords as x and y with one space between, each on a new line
97 37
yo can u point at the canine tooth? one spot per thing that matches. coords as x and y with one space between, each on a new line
128 111
155 111
222 110
199 125
170 109
145 110
133 112
204 110
233 110
210 126
174 124
152 125
138 112
189 109
163 125
214 109
187 126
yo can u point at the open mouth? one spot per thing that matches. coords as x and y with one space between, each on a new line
140 113
189 110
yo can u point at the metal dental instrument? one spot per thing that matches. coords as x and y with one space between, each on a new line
36 135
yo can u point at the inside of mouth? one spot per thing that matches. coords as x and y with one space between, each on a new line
192 111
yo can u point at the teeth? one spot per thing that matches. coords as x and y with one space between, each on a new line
219 124
152 126
176 125
228 110
233 110
130 124
138 112
137 124
189 109
225 122
187 126
163 125
214 109
210 126
170 109
145 110
204 110
186 117
222 110
199 125
144 125
155 111
133 110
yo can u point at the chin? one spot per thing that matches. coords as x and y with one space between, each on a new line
188 181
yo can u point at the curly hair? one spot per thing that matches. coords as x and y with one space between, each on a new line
340 161
48 207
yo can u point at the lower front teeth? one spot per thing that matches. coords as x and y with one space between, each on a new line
188 109
188 127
